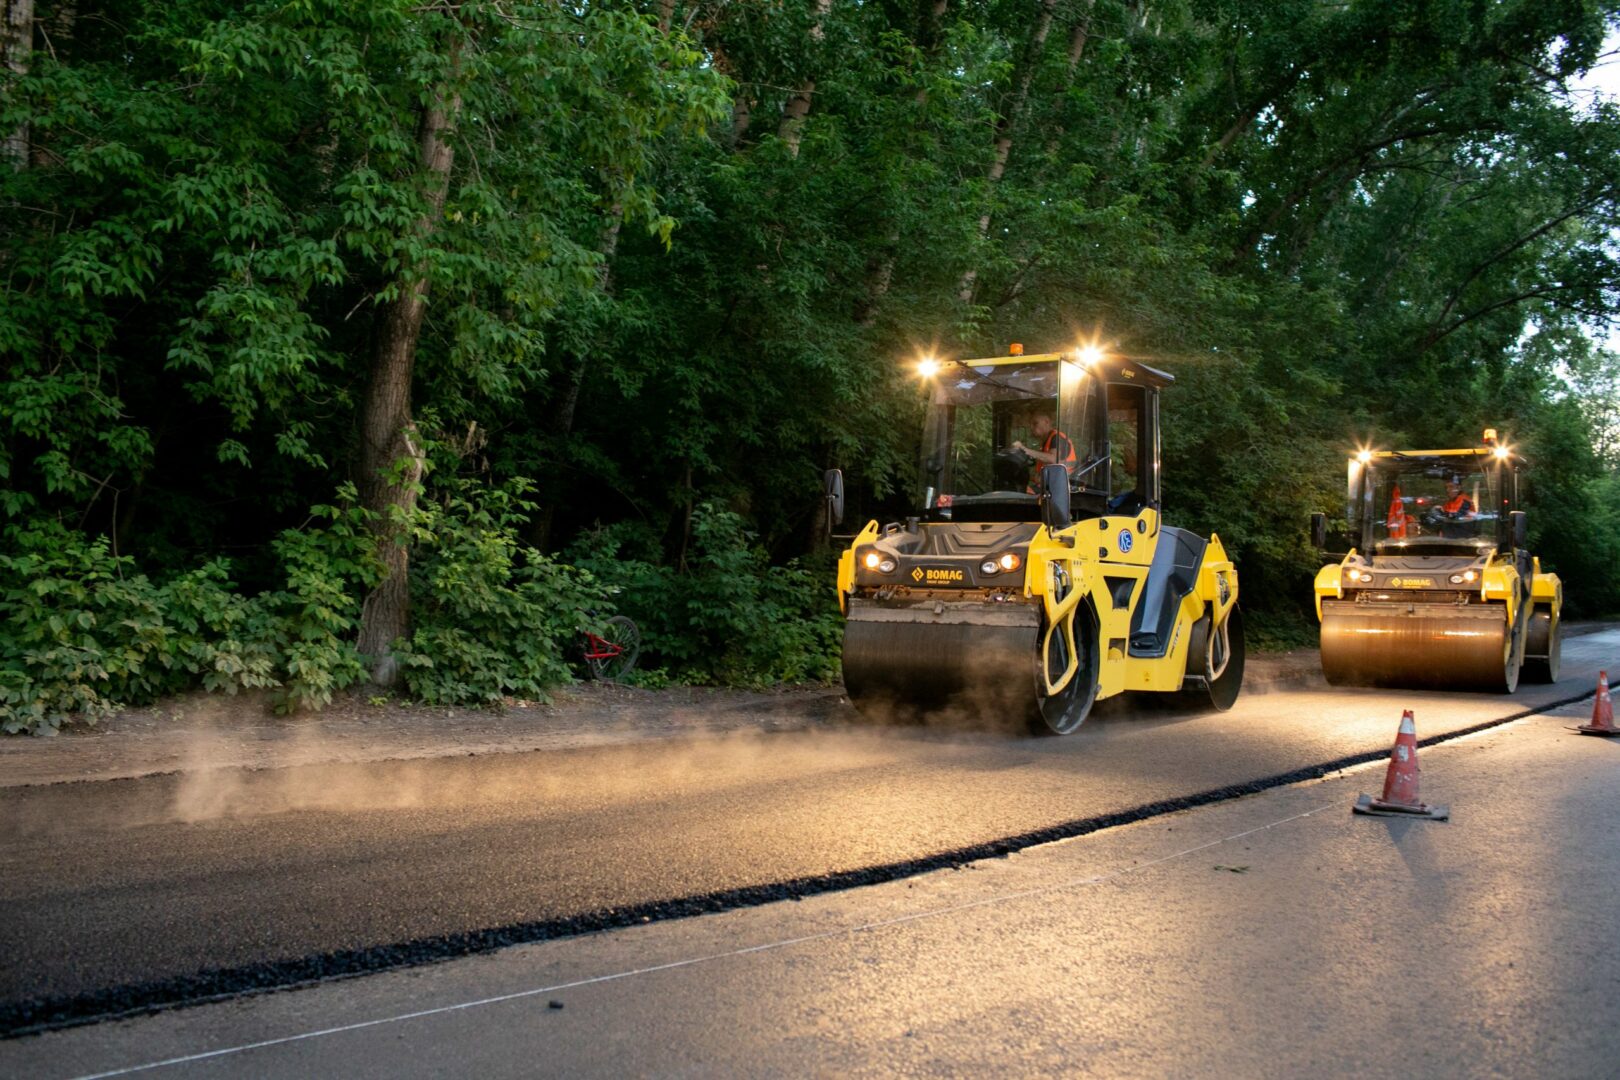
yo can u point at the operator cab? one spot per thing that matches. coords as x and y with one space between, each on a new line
985 415
1440 503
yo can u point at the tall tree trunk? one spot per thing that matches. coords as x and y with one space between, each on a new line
566 407
742 106
931 12
686 518
561 423
19 47
390 454
880 270
1004 130
742 114
879 276
798 106
1079 34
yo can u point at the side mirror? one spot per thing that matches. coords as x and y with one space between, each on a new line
833 484
1055 497
1518 528
1319 531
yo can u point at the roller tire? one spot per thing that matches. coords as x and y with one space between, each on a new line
1063 713
1512 670
1544 636
1219 692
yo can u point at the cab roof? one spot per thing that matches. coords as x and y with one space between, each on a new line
1418 455
1112 367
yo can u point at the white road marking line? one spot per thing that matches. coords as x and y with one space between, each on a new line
1095 879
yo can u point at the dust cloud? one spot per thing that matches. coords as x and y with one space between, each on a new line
608 774
613 764
220 769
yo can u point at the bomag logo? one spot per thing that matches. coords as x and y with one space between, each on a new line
1411 583
937 576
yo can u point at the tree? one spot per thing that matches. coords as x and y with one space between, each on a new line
18 46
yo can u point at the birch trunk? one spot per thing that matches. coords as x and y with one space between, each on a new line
880 271
798 106
1004 131
19 47
1078 36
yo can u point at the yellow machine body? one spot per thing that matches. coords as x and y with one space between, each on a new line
1437 601
1105 603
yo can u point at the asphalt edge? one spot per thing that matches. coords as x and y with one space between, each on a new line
24 1018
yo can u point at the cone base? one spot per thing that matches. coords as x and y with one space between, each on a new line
1366 804
1593 729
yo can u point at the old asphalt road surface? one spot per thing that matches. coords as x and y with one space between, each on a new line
132 894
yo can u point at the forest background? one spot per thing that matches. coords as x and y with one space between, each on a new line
399 339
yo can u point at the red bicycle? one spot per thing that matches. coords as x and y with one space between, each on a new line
611 655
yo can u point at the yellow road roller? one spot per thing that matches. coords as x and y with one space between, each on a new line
1437 590
1037 575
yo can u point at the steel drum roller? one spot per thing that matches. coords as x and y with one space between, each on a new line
907 661
1443 647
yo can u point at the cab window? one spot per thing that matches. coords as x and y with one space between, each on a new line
1125 429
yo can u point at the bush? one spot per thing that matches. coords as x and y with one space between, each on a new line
491 616
731 618
82 632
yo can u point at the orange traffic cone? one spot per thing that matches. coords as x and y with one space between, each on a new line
1400 798
1396 520
1602 711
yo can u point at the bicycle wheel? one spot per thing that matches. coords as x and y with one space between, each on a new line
621 633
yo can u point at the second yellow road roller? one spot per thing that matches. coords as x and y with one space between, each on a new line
1437 590
1037 575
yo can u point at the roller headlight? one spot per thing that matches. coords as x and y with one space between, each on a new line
988 567
1467 577
1010 561
1358 575
872 559
886 566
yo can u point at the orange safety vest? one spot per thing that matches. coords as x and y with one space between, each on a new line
1396 520
1455 506
1062 450
1065 457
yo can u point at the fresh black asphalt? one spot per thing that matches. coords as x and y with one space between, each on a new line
133 894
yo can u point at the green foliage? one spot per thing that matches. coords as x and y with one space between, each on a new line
730 617
1280 631
82 632
1573 511
1334 223
493 617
